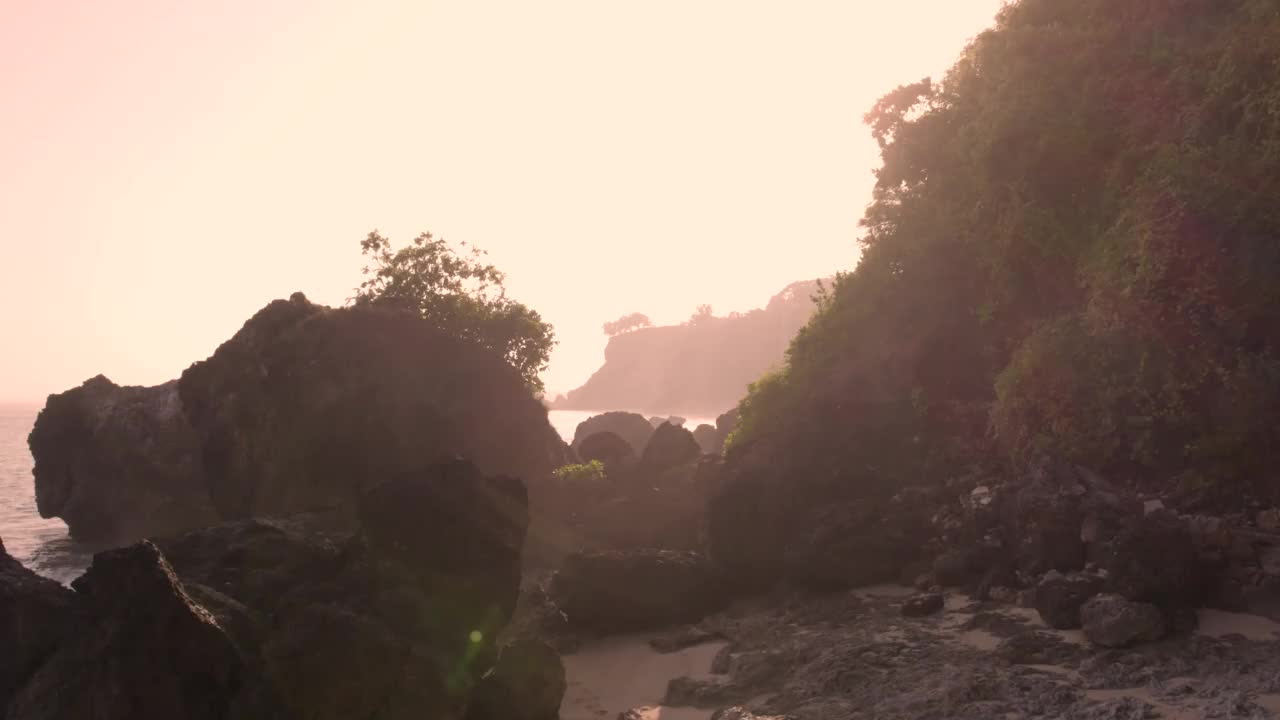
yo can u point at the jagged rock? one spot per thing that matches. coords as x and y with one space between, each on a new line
302 409
670 446
708 439
923 604
607 447
637 590
1059 598
527 683
117 462
629 426
1036 647
390 614
149 652
1112 621
35 613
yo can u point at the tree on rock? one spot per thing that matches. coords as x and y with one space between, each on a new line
460 294
627 323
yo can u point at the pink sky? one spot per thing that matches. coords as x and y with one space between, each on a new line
167 168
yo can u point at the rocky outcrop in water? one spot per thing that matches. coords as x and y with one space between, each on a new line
35 613
301 410
119 462
310 616
631 427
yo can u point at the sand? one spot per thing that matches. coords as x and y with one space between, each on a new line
610 676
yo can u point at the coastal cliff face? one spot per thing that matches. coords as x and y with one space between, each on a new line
699 368
300 410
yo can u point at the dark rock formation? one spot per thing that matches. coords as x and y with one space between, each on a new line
629 426
118 462
1059 598
1112 621
670 446
607 447
923 604
708 439
35 613
147 651
1152 558
392 614
527 683
301 410
636 590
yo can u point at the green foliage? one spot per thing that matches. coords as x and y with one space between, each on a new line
627 323
588 472
459 293
1072 249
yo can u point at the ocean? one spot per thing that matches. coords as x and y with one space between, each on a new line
44 546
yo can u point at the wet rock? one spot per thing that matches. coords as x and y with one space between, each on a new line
633 428
1112 621
527 683
35 613
637 590
607 447
669 446
117 463
1059 598
923 604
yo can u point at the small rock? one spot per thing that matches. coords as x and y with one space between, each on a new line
1003 595
723 661
923 604
1111 621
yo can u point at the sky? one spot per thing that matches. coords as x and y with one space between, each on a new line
167 168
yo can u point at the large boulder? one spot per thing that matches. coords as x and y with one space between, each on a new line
632 427
671 445
708 439
607 447
1058 597
1153 558
118 462
1111 621
148 651
301 410
637 590
35 612
393 614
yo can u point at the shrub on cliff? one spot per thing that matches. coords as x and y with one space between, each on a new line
459 294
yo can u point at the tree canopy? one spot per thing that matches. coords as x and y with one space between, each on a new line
1073 249
459 293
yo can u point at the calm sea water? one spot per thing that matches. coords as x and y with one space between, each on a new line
44 546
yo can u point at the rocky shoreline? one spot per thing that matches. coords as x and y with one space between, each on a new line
312 525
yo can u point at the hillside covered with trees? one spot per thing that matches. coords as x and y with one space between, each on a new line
700 367
1073 251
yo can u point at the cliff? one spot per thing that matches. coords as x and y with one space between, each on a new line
701 367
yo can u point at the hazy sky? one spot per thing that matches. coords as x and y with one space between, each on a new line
167 168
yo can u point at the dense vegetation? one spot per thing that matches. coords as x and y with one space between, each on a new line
1073 250
701 367
459 294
